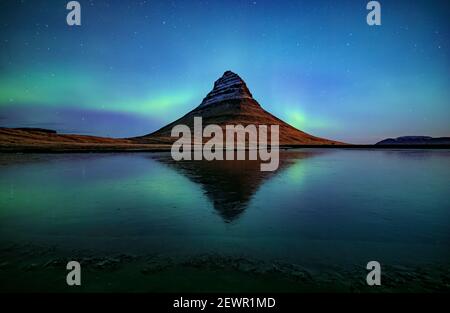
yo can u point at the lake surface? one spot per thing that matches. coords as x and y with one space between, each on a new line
323 209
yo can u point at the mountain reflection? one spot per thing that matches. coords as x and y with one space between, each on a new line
230 185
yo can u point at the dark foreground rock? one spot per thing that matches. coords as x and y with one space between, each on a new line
28 268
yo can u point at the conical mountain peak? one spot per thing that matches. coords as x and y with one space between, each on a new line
229 87
231 103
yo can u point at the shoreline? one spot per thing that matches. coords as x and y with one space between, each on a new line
30 268
164 148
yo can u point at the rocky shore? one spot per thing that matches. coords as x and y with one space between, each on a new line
25 268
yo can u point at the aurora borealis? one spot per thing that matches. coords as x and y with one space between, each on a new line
134 66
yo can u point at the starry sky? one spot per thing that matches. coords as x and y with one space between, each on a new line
134 66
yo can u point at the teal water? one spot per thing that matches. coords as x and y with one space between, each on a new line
321 208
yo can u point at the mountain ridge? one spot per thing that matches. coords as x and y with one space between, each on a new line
415 140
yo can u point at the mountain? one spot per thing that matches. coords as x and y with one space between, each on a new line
415 140
231 103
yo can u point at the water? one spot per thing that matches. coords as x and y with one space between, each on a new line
321 209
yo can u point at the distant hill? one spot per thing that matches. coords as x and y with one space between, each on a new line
415 140
38 139
231 103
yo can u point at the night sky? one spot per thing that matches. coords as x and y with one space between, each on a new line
133 66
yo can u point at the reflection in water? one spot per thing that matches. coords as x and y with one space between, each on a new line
315 207
230 185
322 212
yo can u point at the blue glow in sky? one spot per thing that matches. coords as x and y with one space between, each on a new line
134 66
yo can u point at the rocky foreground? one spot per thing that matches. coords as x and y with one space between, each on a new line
43 269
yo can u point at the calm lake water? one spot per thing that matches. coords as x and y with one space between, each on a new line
322 208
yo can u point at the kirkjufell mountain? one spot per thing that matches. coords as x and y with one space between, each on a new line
231 103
